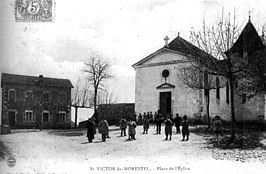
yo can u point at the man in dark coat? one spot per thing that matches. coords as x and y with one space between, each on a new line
168 127
123 126
158 122
185 129
177 121
90 129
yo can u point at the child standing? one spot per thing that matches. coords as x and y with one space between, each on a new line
168 127
217 125
131 129
146 125
123 126
185 130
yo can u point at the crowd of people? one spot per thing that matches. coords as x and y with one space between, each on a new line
158 119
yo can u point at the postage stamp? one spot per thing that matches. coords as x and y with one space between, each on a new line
34 10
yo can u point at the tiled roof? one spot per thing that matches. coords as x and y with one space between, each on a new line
182 46
32 80
248 40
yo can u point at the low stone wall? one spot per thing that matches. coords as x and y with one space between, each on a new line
5 129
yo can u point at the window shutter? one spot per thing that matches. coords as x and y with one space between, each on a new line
206 84
68 116
227 92
50 118
24 117
217 88
15 95
34 117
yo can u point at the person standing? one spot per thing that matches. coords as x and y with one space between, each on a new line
168 127
217 126
123 126
158 122
177 121
103 128
131 129
151 117
146 125
185 130
139 119
90 129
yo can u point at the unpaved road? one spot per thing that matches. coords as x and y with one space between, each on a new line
43 152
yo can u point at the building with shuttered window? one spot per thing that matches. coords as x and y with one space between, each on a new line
35 102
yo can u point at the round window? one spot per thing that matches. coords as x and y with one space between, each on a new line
165 73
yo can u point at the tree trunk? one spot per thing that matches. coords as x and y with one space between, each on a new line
95 106
208 110
76 116
233 124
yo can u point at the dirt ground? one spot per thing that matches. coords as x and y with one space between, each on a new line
48 151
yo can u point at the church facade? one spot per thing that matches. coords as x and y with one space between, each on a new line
158 88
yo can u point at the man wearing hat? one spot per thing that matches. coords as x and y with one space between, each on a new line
123 126
90 129
103 128
168 127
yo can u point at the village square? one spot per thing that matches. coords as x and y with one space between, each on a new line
85 99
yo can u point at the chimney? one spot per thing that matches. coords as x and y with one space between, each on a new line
166 41
41 79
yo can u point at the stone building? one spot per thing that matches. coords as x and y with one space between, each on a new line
35 102
157 86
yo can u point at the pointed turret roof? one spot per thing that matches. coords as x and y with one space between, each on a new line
249 40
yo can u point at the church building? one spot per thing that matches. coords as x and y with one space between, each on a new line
158 88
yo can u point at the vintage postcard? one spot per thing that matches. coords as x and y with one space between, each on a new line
132 86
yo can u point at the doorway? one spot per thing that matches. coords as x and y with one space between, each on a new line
165 103
12 118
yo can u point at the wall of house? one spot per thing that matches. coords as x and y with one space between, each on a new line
0 105
184 100
250 110
36 105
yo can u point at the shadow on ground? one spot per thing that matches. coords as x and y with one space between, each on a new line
4 151
245 139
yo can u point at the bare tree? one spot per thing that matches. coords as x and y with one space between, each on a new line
81 98
192 78
98 71
216 40
106 97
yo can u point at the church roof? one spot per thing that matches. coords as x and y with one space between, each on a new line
181 46
248 40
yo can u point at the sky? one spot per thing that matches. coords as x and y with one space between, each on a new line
123 31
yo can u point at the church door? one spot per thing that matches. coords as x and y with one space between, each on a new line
165 103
